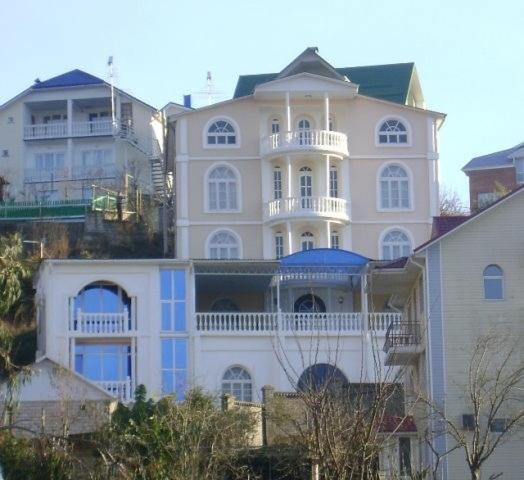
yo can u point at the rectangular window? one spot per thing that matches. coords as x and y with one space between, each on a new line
333 183
49 161
487 198
97 158
108 362
519 165
498 425
173 300
404 453
277 183
279 246
335 240
174 366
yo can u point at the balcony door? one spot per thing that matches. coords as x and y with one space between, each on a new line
304 132
306 187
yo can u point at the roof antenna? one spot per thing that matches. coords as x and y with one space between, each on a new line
111 82
209 90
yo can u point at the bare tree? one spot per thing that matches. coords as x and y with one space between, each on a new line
450 203
494 393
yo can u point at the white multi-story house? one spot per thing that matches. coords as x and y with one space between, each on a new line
313 156
467 283
61 136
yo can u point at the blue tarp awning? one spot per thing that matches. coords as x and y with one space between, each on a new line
324 259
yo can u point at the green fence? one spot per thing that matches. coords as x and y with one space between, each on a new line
48 209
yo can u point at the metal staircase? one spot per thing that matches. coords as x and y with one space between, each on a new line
150 147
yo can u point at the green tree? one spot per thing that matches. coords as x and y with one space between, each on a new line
14 272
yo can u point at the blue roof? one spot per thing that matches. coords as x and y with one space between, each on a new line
73 78
503 158
324 257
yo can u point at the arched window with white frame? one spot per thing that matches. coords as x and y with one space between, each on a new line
223 245
493 283
279 245
221 133
275 125
304 131
307 241
394 188
222 187
392 132
306 186
395 244
237 382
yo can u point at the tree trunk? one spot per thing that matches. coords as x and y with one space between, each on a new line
475 473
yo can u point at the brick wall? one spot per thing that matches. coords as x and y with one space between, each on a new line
483 181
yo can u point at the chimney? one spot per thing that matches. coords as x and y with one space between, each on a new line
187 101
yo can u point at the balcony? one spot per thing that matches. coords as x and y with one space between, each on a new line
304 141
403 342
47 209
262 323
120 389
78 129
87 324
300 207
77 172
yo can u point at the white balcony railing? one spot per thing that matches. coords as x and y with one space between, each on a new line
101 323
330 207
261 322
120 389
45 130
32 175
93 128
324 141
60 130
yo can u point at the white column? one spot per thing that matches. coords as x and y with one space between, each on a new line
328 234
69 117
365 326
69 156
326 174
289 173
288 113
289 238
326 111
118 113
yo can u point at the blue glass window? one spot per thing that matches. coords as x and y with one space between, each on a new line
173 300
174 366
105 362
102 297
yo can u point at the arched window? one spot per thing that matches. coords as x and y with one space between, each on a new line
224 305
309 303
392 132
102 297
275 125
307 241
306 186
237 382
304 127
279 245
335 240
322 375
223 245
493 283
394 188
395 244
221 132
222 189
277 183
333 181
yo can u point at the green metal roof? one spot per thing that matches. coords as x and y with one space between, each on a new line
386 82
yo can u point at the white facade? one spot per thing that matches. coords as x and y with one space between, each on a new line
168 324
305 160
60 137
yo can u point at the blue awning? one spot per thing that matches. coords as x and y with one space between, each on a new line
324 259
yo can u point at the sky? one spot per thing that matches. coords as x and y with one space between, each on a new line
469 54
